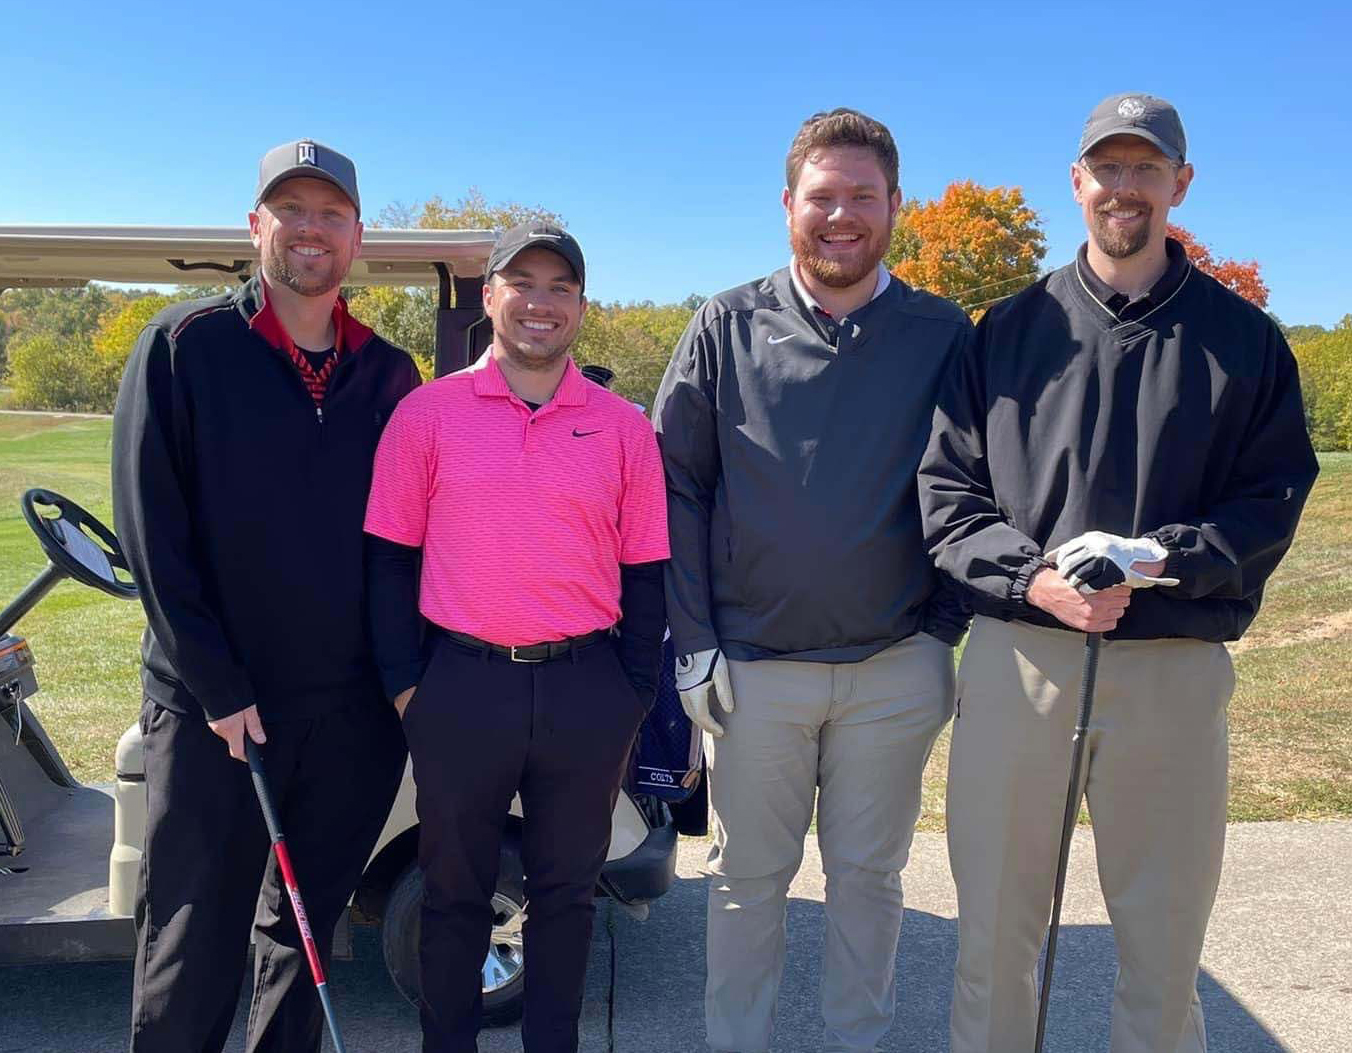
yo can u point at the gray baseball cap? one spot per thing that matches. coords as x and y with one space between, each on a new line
1144 116
537 235
305 157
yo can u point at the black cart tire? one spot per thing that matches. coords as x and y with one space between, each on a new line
504 968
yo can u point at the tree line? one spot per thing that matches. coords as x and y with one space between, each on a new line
65 349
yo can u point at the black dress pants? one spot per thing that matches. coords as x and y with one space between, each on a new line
208 872
480 729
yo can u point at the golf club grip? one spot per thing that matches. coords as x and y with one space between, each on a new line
1087 681
260 781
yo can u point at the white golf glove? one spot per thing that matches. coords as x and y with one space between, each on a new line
1095 561
702 678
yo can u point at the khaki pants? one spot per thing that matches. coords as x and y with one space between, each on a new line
861 732
1155 780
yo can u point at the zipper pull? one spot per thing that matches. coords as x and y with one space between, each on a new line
319 414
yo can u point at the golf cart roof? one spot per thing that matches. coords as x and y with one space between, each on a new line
51 255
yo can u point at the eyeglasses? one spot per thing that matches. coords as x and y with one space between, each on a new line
1112 174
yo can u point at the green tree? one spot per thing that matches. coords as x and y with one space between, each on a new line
51 373
472 211
404 317
58 362
1326 383
634 340
113 341
62 313
1298 334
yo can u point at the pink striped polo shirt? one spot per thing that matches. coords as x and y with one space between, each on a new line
523 518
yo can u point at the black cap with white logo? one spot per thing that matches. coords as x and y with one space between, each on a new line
537 235
1144 116
305 157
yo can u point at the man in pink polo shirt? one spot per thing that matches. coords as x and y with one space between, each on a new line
536 500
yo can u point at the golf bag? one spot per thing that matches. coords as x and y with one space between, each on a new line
670 750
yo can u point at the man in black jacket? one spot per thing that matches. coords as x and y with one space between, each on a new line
243 439
1122 451
801 601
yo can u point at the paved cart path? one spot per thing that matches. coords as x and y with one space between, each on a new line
1277 972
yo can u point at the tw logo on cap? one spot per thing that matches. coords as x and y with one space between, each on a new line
1130 109
305 154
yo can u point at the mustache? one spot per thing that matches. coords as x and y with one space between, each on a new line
1116 203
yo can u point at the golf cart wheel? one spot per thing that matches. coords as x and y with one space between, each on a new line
504 968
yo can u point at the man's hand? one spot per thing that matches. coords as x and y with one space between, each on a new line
1095 561
233 727
401 699
1089 612
701 679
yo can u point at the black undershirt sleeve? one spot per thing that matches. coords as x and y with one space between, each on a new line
392 609
643 623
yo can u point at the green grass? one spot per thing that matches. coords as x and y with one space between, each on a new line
85 643
1290 719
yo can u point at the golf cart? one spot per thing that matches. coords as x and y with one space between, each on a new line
70 854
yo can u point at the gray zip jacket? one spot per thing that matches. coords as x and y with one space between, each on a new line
791 442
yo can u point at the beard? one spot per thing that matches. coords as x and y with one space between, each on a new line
838 273
1119 244
534 358
538 353
316 282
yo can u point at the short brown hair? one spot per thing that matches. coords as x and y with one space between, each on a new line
843 127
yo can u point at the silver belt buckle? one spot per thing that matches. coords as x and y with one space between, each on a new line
524 661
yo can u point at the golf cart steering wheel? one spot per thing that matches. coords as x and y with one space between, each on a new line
66 540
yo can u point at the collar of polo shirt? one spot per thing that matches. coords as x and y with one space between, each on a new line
884 279
489 382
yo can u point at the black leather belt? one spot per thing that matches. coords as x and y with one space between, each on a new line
537 652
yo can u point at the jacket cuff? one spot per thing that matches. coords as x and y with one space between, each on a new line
218 708
701 641
1174 557
1018 588
400 678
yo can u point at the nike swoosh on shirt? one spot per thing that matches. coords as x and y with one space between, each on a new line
583 434
778 339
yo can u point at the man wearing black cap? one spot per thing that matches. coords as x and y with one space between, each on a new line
1122 451
243 439
535 498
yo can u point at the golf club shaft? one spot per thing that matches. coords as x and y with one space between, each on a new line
274 825
1091 654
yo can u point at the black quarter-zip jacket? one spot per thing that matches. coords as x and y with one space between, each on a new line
1182 422
790 444
240 502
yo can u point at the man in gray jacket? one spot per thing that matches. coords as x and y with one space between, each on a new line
792 419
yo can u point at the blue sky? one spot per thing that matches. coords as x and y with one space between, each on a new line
659 131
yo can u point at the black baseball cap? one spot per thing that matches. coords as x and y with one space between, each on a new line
537 235
305 157
1144 116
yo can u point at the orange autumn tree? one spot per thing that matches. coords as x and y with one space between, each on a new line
974 245
1242 277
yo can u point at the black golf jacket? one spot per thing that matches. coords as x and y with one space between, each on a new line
1183 423
240 502
790 443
